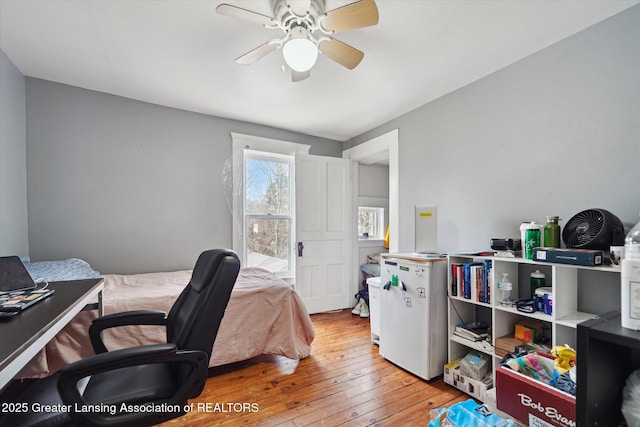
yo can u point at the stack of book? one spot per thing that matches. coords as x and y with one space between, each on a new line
471 281
472 331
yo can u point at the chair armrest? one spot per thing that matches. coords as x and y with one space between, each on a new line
71 374
126 318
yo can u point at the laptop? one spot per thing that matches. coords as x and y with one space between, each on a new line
14 276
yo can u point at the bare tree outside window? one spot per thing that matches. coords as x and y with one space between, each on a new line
370 222
268 212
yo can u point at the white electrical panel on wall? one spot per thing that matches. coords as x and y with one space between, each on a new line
426 229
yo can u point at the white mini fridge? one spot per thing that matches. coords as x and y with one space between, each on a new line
413 314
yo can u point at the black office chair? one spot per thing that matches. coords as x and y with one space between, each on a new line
144 385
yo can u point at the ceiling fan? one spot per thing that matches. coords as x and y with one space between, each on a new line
308 29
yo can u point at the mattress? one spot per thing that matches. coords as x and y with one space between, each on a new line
264 316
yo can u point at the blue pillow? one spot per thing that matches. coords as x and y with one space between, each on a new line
55 271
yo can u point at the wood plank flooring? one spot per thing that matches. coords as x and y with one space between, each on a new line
344 382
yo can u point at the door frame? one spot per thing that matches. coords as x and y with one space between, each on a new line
378 147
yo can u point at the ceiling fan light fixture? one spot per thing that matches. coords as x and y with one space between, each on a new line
307 25
300 54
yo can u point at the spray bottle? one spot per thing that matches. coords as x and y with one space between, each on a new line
630 297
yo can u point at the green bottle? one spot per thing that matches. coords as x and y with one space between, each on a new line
537 281
551 232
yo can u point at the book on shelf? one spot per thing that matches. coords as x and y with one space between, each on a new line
476 326
471 281
455 275
474 331
467 335
488 265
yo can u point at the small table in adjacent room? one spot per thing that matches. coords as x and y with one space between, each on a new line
24 335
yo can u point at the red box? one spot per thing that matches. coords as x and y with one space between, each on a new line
532 402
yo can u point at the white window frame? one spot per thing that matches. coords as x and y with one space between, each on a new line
241 143
379 226
290 217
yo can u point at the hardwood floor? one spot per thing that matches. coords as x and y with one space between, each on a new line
345 382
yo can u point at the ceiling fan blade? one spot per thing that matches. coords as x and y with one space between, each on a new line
257 53
297 76
244 14
363 13
299 7
342 53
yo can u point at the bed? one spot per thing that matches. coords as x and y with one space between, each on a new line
264 316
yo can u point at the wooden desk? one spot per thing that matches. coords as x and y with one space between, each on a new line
22 336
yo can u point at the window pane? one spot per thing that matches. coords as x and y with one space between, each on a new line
268 243
371 222
365 222
267 187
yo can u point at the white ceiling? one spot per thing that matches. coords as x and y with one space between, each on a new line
181 54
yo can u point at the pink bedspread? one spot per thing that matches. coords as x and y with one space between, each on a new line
264 316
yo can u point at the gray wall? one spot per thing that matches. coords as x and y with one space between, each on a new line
14 238
373 181
129 186
555 133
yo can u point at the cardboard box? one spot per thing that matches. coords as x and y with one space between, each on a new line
587 257
532 402
528 330
506 344
473 388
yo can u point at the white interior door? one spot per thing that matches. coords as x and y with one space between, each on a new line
322 232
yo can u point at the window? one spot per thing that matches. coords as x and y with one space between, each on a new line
262 199
370 223
268 211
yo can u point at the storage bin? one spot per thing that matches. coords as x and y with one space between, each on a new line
533 402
